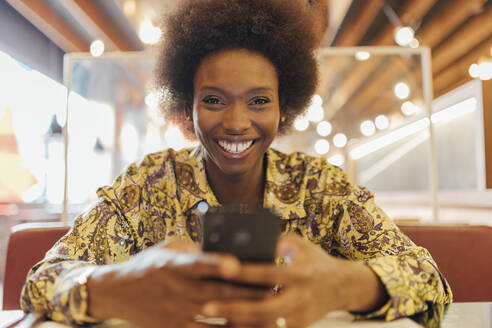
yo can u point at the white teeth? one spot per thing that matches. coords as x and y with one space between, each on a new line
235 147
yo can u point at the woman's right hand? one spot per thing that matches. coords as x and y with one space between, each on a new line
165 284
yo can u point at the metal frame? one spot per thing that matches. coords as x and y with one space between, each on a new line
423 52
426 63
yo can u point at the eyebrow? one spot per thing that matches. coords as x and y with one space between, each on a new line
258 89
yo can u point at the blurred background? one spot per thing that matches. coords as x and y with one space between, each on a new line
369 115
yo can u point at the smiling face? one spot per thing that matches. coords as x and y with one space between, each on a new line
235 111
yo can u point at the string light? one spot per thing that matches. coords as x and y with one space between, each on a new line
315 111
367 128
324 128
301 123
340 140
404 35
148 33
483 70
382 122
97 48
362 55
322 146
402 91
408 108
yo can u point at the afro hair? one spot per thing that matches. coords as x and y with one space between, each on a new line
276 29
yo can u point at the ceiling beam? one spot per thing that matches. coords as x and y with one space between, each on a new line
349 37
86 21
96 14
358 25
447 20
473 26
430 35
337 11
466 38
452 77
56 27
459 69
412 11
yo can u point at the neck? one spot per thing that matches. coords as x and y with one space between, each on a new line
237 189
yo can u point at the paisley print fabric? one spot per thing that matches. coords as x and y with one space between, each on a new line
157 199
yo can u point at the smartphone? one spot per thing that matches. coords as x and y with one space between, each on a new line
249 233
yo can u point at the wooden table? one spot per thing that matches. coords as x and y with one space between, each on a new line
469 315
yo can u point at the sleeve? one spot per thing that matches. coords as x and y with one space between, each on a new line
363 232
52 283
111 231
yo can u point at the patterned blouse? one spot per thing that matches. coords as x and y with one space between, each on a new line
158 198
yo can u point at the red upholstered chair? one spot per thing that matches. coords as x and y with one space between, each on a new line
27 245
463 254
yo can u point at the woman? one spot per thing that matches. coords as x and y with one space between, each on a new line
234 74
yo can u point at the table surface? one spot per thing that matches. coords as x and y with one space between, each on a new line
470 315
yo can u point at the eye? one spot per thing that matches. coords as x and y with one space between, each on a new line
260 101
212 100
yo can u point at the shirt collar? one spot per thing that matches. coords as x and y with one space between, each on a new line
284 184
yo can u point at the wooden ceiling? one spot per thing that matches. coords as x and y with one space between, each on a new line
459 32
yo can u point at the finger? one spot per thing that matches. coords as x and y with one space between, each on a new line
205 265
181 245
269 275
200 290
180 307
253 313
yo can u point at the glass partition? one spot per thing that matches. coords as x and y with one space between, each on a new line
370 116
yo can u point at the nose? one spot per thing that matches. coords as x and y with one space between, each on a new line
236 119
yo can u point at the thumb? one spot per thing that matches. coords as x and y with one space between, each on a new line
180 245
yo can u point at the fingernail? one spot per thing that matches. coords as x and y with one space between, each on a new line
210 310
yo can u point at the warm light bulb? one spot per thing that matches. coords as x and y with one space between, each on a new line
402 91
340 140
473 70
301 123
151 100
485 70
322 146
404 35
316 100
315 111
362 55
408 108
324 128
367 128
97 48
382 122
148 33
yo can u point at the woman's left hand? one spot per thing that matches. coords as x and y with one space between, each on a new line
313 284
